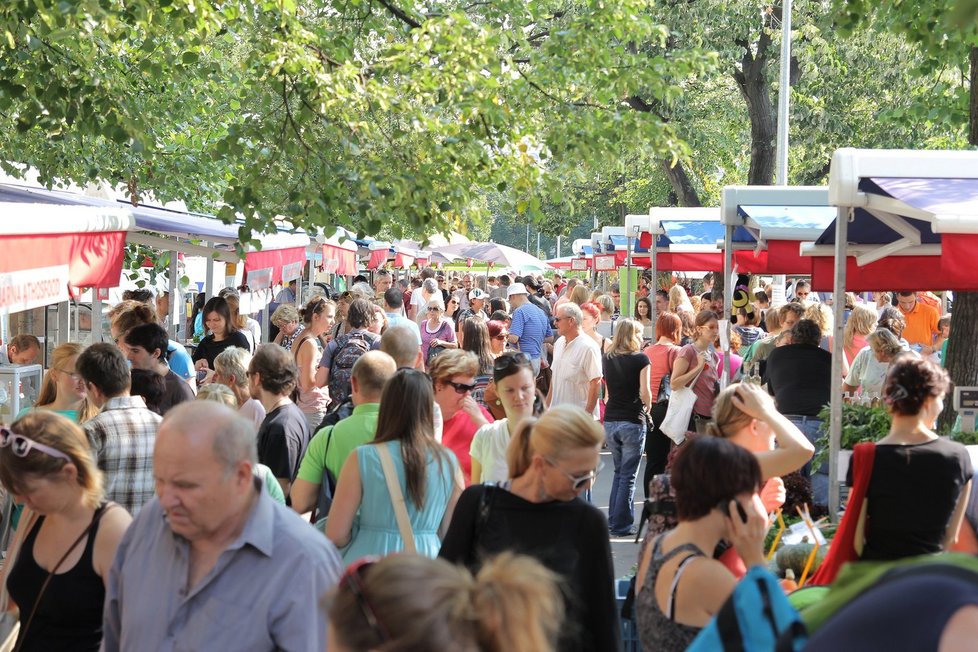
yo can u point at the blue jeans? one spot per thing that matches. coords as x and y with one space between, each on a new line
626 441
820 477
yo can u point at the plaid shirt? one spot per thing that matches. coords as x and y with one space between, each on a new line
122 438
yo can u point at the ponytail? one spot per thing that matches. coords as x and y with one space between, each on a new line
517 605
519 454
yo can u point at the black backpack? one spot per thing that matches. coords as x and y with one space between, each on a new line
349 348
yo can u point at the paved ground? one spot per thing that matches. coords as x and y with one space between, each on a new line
624 551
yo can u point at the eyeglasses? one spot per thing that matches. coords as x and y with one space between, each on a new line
353 580
74 377
460 388
433 309
578 481
21 445
504 362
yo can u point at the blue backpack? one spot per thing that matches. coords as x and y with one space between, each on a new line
757 617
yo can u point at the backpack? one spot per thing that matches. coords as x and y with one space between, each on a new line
349 348
756 617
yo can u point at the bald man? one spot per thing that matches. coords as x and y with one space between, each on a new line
213 562
331 446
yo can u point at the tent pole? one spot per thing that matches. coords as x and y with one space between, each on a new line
835 410
653 265
628 278
209 277
727 297
174 308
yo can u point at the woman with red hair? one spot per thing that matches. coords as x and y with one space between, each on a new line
592 316
662 354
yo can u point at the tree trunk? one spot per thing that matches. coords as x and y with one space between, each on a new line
754 85
682 185
962 363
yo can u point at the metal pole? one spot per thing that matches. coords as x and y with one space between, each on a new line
784 92
626 312
538 245
835 410
653 265
209 278
174 308
727 296
558 247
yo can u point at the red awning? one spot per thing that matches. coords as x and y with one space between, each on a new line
784 258
402 261
339 260
93 259
378 258
274 259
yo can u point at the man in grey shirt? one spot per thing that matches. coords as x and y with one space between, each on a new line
213 563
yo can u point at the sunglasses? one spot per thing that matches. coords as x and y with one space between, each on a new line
353 580
504 362
21 445
578 481
501 336
460 388
433 309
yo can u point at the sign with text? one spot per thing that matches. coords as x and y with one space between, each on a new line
33 288
291 272
579 264
605 263
259 279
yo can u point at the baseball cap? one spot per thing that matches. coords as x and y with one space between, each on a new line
477 294
516 288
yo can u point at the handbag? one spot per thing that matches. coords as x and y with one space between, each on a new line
397 498
843 549
665 384
676 422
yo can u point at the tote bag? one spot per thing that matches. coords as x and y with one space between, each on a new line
680 409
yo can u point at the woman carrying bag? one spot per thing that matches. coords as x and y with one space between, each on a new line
59 561
694 381
398 492
662 356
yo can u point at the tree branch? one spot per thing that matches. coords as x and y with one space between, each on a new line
400 14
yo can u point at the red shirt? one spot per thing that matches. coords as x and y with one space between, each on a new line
457 434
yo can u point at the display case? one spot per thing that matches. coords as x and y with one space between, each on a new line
19 389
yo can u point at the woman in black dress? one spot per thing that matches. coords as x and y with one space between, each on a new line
222 333
919 485
67 537
539 513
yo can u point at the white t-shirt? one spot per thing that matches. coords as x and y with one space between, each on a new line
488 448
420 306
574 366
867 372
253 411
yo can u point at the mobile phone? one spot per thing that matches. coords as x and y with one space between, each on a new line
724 507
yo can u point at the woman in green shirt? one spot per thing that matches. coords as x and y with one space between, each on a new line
62 390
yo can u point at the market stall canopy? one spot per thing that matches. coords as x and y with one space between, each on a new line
497 254
775 220
45 247
912 220
339 256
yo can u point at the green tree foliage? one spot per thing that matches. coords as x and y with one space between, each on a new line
370 114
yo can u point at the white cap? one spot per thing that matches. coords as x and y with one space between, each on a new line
516 288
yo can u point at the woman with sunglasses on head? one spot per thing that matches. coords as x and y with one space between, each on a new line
552 460
59 562
363 518
313 400
63 390
406 602
515 389
453 378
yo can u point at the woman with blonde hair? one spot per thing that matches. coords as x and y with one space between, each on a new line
869 367
580 295
62 389
822 316
247 326
679 300
307 349
231 371
862 322
552 460
407 602
289 323
58 564
626 374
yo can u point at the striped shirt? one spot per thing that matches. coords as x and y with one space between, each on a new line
530 325
122 436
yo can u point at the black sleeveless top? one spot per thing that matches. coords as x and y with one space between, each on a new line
69 616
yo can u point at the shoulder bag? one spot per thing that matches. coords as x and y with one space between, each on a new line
680 410
397 498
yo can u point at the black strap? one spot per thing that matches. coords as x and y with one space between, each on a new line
40 594
315 515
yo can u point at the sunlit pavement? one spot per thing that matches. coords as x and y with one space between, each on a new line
623 550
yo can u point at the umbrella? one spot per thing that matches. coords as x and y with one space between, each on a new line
497 254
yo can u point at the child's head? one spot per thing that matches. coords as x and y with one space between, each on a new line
944 326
